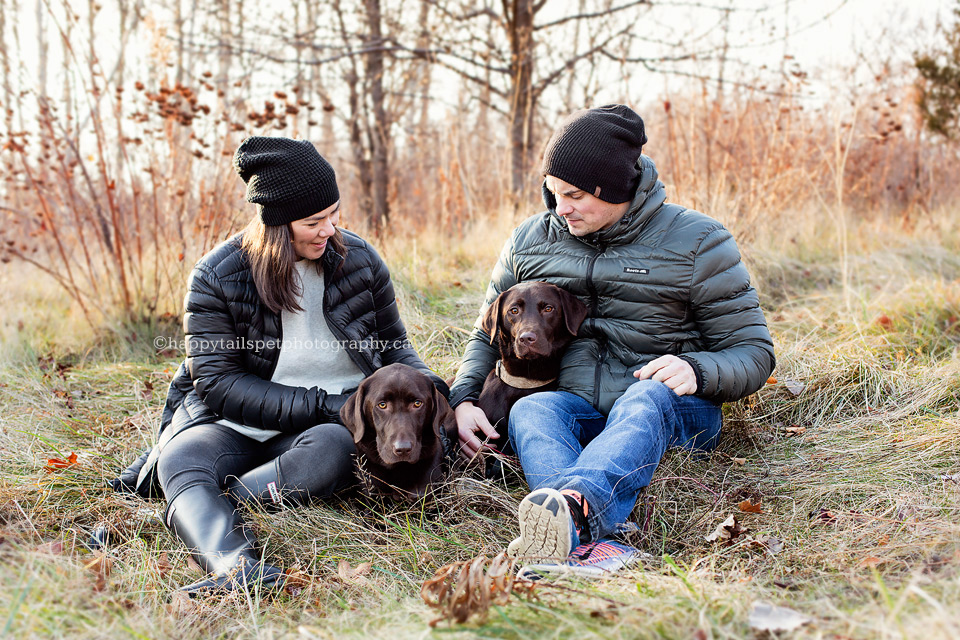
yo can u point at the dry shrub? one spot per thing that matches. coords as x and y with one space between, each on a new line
754 159
463 589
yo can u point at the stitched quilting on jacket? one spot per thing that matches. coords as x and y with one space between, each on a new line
661 280
233 344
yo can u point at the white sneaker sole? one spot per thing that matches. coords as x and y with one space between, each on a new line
545 526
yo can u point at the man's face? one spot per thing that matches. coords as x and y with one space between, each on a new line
584 212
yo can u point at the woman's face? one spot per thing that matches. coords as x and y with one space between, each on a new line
310 234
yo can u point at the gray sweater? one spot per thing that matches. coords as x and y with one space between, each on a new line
310 355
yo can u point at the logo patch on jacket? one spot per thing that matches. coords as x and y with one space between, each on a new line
636 270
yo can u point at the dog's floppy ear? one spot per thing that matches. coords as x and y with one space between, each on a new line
574 311
491 318
443 416
352 412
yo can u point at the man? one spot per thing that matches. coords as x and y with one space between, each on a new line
674 330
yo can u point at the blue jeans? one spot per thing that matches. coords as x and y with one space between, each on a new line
564 443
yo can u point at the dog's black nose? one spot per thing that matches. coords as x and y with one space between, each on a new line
402 447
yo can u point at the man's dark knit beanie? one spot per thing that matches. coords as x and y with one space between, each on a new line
596 150
287 179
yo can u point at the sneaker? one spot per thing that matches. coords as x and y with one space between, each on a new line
597 559
551 524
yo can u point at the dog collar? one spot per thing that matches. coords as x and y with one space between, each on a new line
518 382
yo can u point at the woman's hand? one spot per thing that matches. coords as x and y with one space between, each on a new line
470 420
672 371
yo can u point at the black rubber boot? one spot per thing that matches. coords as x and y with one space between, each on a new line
207 522
264 485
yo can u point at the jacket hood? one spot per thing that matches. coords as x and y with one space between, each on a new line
647 200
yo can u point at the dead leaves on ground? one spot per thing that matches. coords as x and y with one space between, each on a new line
353 575
463 589
101 565
55 464
727 531
730 531
98 563
771 618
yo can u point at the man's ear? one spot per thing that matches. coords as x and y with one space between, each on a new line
491 318
574 311
352 412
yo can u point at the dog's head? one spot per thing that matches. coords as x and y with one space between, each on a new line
533 319
396 416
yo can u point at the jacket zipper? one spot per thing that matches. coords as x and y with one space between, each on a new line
362 364
594 310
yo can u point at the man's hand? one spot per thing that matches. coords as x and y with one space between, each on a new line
470 420
672 371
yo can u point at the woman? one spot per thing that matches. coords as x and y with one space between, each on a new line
282 322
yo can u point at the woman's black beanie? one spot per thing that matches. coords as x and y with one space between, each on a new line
596 150
287 179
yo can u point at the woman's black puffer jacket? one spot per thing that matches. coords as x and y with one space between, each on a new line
233 343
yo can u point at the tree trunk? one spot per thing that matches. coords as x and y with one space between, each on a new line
224 58
381 124
356 143
43 48
5 68
523 99
424 69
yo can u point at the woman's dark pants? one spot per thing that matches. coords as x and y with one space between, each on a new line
206 470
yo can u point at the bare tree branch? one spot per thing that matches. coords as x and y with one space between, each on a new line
568 65
592 14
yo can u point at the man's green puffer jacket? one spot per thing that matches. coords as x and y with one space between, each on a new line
663 279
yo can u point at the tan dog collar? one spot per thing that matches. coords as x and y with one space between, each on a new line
518 382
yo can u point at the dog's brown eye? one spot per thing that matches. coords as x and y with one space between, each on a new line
381 405
418 403
548 308
514 310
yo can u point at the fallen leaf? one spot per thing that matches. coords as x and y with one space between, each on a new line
793 386
59 463
54 548
727 531
771 380
101 565
773 544
162 565
296 581
748 507
795 430
739 461
193 566
353 574
146 390
181 605
768 617
870 561
823 516
609 614
883 321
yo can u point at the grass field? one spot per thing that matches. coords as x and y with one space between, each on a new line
853 455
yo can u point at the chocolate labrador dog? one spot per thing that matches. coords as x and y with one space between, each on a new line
531 323
399 423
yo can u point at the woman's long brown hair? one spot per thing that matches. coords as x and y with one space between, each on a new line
271 254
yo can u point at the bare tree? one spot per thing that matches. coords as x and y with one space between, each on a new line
511 64
379 128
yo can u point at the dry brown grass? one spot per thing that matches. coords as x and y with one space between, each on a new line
856 475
